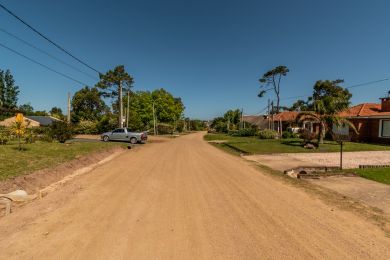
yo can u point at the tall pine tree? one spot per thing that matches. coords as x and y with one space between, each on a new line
8 90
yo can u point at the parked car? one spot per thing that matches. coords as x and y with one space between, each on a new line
124 134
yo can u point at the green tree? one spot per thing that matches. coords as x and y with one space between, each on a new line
219 125
8 90
40 113
168 108
300 105
141 110
113 83
27 109
329 98
271 81
57 113
232 119
87 104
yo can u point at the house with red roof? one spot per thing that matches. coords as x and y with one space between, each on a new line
286 119
371 120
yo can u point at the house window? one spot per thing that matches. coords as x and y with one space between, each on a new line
385 130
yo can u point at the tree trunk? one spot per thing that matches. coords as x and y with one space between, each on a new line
321 134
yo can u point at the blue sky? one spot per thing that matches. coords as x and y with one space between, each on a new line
210 53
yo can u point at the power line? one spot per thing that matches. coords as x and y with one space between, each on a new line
353 86
46 53
42 65
368 83
46 38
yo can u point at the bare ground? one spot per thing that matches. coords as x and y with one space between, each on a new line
185 199
39 179
369 192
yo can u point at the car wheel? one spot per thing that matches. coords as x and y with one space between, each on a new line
106 138
133 140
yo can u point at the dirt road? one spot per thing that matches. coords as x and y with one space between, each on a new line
185 199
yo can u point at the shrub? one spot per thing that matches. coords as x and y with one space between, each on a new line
61 131
106 124
5 135
30 137
86 127
308 136
42 134
268 134
164 129
288 134
243 132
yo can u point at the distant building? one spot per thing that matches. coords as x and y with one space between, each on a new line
31 121
260 121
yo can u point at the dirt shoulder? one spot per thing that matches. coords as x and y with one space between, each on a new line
39 179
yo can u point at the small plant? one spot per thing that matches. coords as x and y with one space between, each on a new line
61 131
288 134
308 136
19 128
243 132
164 128
4 135
30 136
268 134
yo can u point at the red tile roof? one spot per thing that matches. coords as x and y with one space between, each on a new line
287 116
364 110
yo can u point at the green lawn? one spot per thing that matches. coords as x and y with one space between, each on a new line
41 155
254 145
376 174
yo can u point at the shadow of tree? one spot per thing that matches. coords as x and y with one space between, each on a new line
293 143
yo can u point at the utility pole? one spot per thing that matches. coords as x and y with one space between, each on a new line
68 116
228 123
128 109
242 118
154 120
120 105
272 115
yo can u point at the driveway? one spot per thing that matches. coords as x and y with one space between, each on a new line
185 199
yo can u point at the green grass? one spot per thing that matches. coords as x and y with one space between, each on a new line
42 155
376 174
254 145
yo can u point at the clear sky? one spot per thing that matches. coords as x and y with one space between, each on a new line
209 52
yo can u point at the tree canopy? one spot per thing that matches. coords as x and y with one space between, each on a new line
113 83
168 109
87 105
329 98
8 90
271 81
57 113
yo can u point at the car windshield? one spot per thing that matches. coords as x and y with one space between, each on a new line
129 130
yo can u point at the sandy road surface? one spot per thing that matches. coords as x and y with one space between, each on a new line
185 199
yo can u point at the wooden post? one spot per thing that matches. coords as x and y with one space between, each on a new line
120 105
128 109
341 154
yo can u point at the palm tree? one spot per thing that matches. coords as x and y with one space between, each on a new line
326 114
